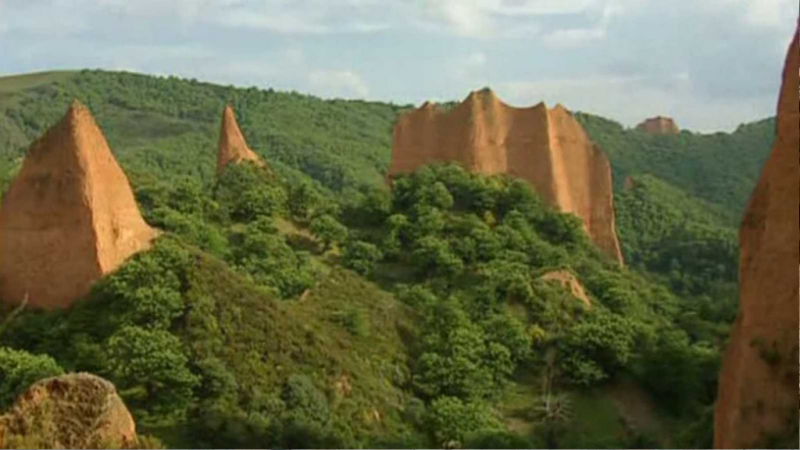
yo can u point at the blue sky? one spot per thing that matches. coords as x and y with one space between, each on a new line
711 64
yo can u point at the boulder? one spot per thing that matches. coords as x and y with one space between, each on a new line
69 411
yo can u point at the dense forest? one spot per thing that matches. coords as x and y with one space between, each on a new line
309 305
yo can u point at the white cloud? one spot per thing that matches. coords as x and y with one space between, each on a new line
775 14
770 13
476 60
293 56
631 99
338 83
304 16
468 69
496 18
574 37
277 22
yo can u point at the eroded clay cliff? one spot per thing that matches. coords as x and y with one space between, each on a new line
757 401
546 147
659 125
232 146
70 411
68 218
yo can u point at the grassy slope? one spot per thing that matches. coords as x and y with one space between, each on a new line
15 83
266 340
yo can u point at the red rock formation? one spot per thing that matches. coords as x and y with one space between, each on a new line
68 218
232 146
659 125
757 401
70 411
546 147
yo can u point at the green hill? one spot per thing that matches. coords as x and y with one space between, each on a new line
719 168
312 307
168 127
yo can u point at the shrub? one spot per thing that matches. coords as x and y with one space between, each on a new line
361 257
19 370
328 230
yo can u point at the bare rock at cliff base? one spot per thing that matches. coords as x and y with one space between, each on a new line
69 411
757 400
569 282
232 146
546 147
659 125
68 218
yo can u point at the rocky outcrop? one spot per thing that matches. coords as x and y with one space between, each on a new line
232 146
546 147
569 282
70 411
659 125
757 400
68 218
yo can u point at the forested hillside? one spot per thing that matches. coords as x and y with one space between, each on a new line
719 168
310 306
168 127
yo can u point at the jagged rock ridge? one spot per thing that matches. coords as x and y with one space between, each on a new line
546 147
659 125
70 411
68 218
757 401
232 146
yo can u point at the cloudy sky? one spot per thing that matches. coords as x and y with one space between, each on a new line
711 64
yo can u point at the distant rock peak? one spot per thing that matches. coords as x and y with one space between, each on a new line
659 125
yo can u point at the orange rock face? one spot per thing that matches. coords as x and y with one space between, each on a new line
659 125
68 218
232 146
757 401
546 147
69 411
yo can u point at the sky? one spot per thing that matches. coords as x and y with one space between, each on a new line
710 64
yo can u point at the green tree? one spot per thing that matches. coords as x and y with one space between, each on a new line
266 256
328 230
304 199
361 257
433 256
20 369
597 347
151 368
456 360
453 421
